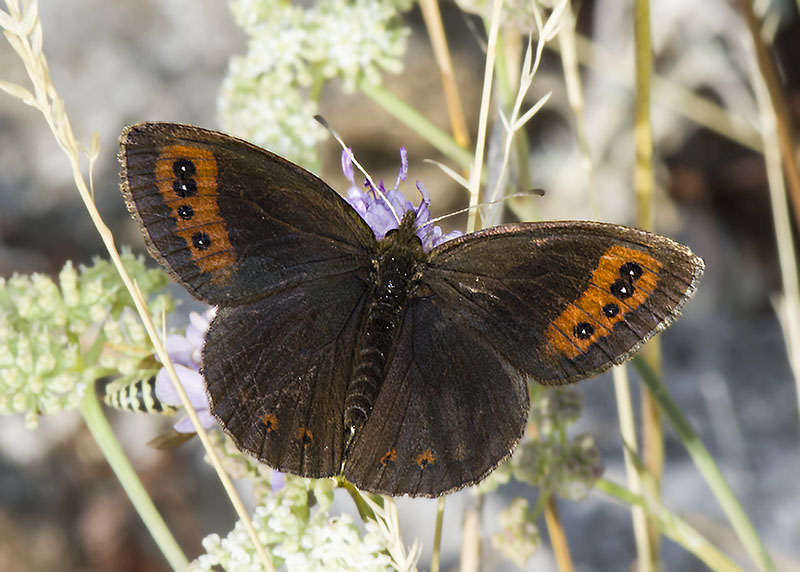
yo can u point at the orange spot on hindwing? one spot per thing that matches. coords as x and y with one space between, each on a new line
270 422
305 436
425 458
186 177
389 456
622 281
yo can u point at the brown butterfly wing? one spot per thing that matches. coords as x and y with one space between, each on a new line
277 373
449 411
231 221
563 300
286 259
516 302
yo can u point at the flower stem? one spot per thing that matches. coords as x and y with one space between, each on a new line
572 81
706 465
441 51
643 183
510 43
673 527
558 539
471 535
112 451
437 536
627 428
476 170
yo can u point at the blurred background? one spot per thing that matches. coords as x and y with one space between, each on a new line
725 361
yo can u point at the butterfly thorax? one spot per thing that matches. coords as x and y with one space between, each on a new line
395 273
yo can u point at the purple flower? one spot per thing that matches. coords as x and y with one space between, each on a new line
373 208
186 355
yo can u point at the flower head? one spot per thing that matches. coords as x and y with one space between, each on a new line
186 355
381 208
58 336
300 537
270 94
519 537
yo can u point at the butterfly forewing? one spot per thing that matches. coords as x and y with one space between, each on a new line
231 221
565 300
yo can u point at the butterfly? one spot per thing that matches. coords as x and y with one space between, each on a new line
406 371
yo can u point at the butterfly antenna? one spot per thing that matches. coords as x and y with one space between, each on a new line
528 193
375 188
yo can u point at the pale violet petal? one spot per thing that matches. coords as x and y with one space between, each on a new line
347 165
192 383
185 425
198 326
179 349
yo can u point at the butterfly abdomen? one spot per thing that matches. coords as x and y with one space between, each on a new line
395 271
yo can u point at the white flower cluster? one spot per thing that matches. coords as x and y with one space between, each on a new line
296 537
518 538
269 95
56 339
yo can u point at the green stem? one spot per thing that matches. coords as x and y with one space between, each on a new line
112 451
364 510
643 186
707 467
437 536
673 527
417 122
507 86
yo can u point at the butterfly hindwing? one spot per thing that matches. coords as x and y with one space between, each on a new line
277 373
450 410
562 300
231 221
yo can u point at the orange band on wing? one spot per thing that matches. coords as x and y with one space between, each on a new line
622 281
186 177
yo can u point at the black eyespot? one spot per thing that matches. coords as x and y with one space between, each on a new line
632 270
610 310
583 330
185 212
201 241
183 169
186 188
622 289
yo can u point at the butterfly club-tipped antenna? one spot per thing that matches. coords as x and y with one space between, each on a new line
535 192
373 187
